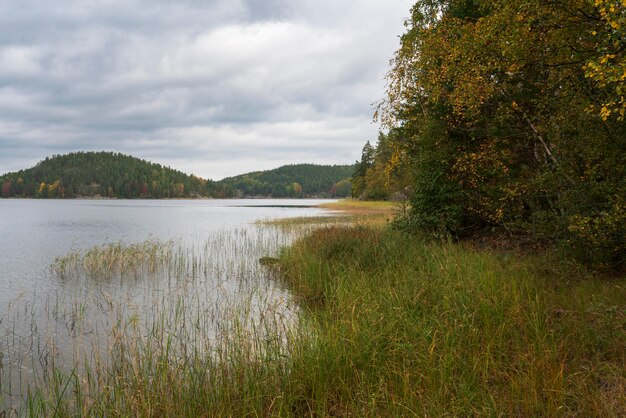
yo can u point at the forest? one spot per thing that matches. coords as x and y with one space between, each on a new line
508 116
106 174
115 175
298 180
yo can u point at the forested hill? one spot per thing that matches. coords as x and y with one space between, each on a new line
105 174
299 180
115 175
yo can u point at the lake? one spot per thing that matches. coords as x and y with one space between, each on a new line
198 276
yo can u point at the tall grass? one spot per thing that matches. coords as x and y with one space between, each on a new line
116 258
389 325
413 328
127 311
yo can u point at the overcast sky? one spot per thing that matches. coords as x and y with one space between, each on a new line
214 87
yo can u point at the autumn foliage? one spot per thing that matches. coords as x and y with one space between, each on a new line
510 115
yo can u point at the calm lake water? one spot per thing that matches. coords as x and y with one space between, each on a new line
47 318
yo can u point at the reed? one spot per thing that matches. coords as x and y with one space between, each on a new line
407 327
371 207
125 312
115 258
386 325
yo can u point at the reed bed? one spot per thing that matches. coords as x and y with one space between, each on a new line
132 311
346 212
109 259
385 325
365 207
407 327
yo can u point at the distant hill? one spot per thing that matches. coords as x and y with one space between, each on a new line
105 174
298 180
115 175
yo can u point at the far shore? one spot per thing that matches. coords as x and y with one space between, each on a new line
172 198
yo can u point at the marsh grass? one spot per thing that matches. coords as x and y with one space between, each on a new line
128 318
388 325
116 258
356 206
303 225
406 327
344 212
370 213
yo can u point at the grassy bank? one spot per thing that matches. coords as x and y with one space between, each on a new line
363 207
390 326
343 212
407 327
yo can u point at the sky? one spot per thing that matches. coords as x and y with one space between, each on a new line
213 88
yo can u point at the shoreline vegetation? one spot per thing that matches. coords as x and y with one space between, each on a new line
390 325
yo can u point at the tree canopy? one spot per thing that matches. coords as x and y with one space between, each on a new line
383 170
510 116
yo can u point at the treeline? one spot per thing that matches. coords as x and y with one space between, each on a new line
509 116
298 180
381 173
115 175
105 174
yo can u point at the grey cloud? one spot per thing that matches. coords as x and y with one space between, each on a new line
268 9
191 82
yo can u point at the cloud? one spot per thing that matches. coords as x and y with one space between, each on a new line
214 88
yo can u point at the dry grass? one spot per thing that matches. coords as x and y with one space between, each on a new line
344 212
360 207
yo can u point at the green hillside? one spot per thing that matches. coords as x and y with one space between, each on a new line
106 174
299 180
115 175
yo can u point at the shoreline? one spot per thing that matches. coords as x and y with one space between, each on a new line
169 198
388 324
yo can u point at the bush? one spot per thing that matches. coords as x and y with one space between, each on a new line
600 240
